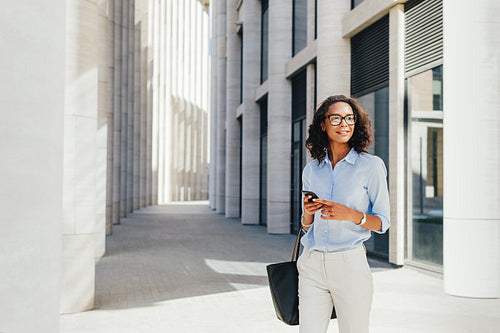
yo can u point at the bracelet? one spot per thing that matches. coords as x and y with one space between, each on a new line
363 220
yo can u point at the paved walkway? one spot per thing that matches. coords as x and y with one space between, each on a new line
184 268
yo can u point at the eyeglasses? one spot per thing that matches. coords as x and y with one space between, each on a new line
336 120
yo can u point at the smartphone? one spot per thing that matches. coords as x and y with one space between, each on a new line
314 195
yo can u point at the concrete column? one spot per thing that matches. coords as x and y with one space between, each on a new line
117 123
471 252
251 13
149 115
156 100
310 70
397 132
32 95
144 102
161 64
221 104
110 114
310 102
205 98
167 123
232 191
80 145
212 178
174 102
334 55
311 16
102 129
279 118
130 105
124 108
137 105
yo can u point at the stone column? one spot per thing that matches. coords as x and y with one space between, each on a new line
176 73
279 118
334 55
130 105
102 129
310 101
117 126
144 102
232 102
31 130
221 104
471 251
212 178
149 113
310 72
167 122
206 113
110 114
160 87
137 104
79 176
397 132
124 107
251 13
156 99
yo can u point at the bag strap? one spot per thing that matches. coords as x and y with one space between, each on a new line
295 254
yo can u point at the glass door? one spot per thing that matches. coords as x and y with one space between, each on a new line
425 167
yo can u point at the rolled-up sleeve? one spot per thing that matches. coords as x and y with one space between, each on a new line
306 182
379 194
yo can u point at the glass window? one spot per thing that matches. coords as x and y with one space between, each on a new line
299 136
263 161
299 25
240 124
241 65
315 19
354 3
425 179
377 105
264 56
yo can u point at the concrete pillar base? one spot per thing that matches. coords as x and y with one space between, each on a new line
78 273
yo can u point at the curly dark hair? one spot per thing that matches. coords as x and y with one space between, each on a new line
317 142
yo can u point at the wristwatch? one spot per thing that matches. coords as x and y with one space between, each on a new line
363 220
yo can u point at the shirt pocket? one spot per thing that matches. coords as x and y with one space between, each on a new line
356 196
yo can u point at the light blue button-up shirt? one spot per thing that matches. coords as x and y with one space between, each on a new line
357 181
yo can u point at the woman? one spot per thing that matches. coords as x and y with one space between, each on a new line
353 201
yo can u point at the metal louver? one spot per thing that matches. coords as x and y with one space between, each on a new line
370 58
423 33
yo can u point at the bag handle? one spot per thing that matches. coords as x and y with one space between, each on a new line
295 254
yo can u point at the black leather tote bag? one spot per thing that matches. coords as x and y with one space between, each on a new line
284 284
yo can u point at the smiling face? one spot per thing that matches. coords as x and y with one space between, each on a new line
342 133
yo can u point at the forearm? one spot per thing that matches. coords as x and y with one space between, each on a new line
307 220
373 222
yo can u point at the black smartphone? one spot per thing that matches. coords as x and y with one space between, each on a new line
314 195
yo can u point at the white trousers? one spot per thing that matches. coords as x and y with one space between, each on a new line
342 279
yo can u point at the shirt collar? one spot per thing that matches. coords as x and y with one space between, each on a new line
350 158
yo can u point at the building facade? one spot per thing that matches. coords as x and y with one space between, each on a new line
427 73
105 110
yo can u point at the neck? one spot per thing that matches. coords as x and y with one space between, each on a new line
337 152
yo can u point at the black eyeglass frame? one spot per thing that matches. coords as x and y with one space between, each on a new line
342 119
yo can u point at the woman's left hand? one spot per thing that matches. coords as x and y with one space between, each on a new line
335 211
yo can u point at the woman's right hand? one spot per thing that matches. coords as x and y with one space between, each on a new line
311 207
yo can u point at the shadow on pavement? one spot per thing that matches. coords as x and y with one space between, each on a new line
184 250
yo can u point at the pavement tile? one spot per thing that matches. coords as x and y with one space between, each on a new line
184 268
